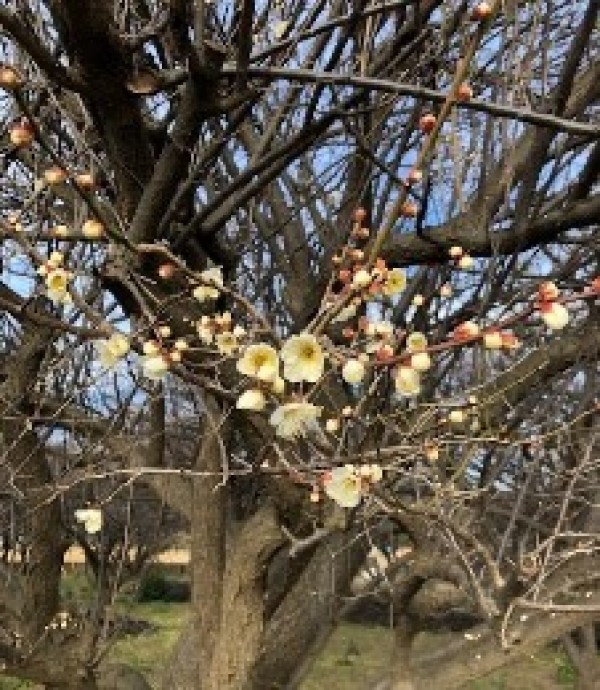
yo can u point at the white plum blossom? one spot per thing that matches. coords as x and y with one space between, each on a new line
212 280
294 419
252 399
343 485
91 519
155 366
408 381
111 350
456 416
226 343
205 330
303 358
416 342
353 371
555 315
395 282
492 340
362 279
259 361
420 361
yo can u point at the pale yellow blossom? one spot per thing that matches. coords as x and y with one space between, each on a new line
57 285
416 342
555 316
61 231
343 485
150 347
91 519
56 259
155 366
205 330
259 361
362 278
420 361
224 320
278 386
353 371
203 293
294 419
465 262
379 332
408 381
226 343
92 229
492 340
383 329
303 358
252 399
280 28
213 275
111 350
332 425
376 473
395 282
212 280
456 416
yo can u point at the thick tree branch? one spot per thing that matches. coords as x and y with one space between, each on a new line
432 246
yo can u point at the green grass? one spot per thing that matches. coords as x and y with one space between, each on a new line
149 651
356 655
14 684
353 658
549 669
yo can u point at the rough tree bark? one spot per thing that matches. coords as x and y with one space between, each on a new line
218 647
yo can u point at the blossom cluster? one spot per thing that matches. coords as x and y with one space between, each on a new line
349 338
281 378
302 359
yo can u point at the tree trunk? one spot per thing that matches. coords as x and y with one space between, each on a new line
401 671
219 647
194 650
238 634
207 548
307 614
583 652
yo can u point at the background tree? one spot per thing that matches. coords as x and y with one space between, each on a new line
312 151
